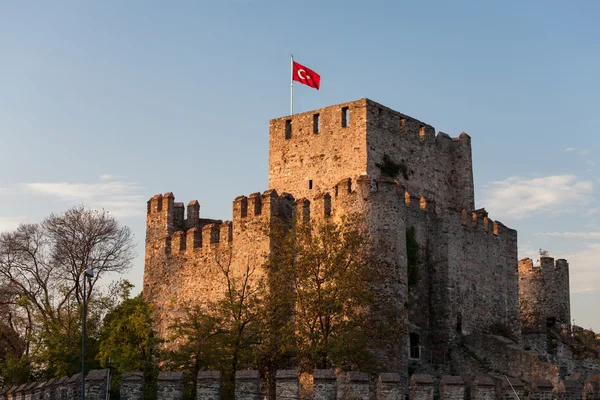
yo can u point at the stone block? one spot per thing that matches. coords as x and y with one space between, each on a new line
591 389
421 387
60 388
73 384
287 384
170 386
483 389
356 386
132 386
389 387
208 385
247 385
570 390
452 388
324 384
541 389
512 386
95 384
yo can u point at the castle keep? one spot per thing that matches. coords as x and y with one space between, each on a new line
362 156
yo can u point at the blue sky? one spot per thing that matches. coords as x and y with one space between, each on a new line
107 103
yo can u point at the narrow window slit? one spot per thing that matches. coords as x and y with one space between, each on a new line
345 117
288 129
316 123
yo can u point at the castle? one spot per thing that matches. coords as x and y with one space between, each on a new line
362 156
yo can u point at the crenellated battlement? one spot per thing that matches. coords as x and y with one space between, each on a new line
322 384
310 152
545 265
355 114
544 293
449 267
366 187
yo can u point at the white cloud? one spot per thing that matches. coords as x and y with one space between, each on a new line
570 149
580 235
527 250
589 162
592 211
106 177
584 152
11 223
519 198
121 199
584 269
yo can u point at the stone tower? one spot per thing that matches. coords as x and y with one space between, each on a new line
408 182
313 151
544 294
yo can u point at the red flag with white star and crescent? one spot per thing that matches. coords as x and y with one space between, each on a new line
306 76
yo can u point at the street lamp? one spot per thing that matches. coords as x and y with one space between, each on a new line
88 273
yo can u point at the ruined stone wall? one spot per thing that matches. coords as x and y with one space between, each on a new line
544 294
303 161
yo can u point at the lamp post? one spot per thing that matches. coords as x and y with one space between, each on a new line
88 273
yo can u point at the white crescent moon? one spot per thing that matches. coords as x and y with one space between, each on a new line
305 77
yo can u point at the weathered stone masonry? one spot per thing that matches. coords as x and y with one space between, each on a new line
544 294
326 386
358 157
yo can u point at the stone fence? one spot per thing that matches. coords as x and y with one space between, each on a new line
326 385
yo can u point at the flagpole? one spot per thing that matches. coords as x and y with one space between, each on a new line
291 84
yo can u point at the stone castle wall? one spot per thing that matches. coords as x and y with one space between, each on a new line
337 161
303 160
466 281
544 294
467 275
185 257
299 156
436 167
326 385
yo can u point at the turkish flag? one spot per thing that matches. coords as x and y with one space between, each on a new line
306 76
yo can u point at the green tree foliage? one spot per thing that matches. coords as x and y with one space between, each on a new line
41 287
196 345
307 305
323 274
221 334
128 340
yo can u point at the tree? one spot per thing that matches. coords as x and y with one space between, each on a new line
328 268
42 264
221 334
198 337
128 339
307 305
14 368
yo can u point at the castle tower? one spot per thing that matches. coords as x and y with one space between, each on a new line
544 294
409 184
312 151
